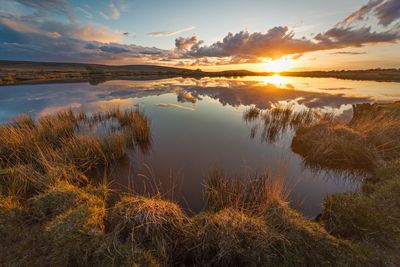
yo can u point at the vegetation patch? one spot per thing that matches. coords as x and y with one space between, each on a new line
53 214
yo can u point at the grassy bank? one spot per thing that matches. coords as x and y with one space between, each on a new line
53 214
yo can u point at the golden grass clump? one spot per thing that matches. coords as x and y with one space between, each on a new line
251 194
335 146
84 151
232 238
372 135
152 224
58 139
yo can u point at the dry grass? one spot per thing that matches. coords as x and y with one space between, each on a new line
50 214
372 135
277 120
32 153
149 223
252 195
334 145
232 238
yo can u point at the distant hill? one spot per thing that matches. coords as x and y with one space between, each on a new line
8 64
17 72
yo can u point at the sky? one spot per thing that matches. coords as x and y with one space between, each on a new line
260 35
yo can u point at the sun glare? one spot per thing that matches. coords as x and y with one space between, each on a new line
278 65
277 80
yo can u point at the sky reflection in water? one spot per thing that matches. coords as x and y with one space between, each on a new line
198 124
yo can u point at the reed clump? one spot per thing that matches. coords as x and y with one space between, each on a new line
371 136
273 123
335 146
63 143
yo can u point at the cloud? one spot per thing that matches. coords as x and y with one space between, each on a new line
42 7
87 32
386 12
16 45
114 12
39 37
163 34
175 106
187 43
280 41
349 53
85 12
247 47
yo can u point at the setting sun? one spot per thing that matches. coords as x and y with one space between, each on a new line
278 65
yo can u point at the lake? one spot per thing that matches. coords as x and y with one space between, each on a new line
197 125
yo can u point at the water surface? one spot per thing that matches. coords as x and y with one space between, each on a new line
198 125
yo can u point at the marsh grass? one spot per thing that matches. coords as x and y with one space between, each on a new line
273 123
371 136
334 145
51 213
251 194
55 145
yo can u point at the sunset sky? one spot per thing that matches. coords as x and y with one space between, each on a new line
261 35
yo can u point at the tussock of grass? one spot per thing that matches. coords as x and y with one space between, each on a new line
336 146
371 136
55 146
372 216
75 234
153 224
251 194
232 238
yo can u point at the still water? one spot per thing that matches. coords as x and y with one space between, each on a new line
198 125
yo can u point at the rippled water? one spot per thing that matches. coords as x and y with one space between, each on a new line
198 125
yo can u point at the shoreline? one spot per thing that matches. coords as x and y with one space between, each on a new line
18 72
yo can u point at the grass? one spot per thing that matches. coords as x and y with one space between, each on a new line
370 137
371 216
53 214
59 144
275 121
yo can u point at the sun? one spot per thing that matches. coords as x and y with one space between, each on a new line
278 65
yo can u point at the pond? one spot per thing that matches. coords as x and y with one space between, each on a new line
197 125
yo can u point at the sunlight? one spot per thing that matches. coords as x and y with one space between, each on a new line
277 80
278 65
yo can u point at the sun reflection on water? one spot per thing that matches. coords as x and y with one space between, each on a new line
277 80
